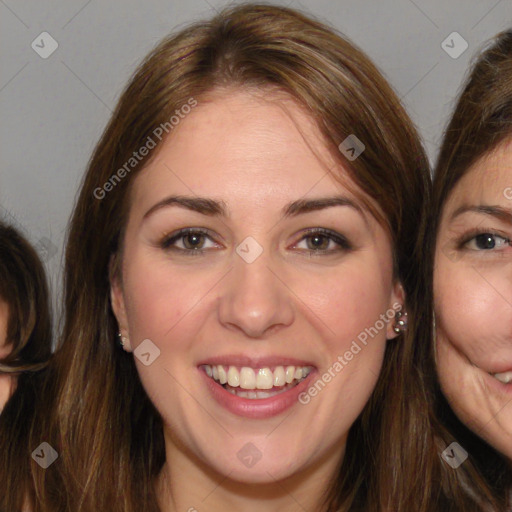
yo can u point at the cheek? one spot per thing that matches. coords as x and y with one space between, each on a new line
355 342
472 314
350 305
158 298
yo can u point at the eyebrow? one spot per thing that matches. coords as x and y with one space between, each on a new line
500 213
212 207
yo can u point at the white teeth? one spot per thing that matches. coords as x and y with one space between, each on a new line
256 379
264 379
233 377
250 394
223 378
279 376
247 378
505 377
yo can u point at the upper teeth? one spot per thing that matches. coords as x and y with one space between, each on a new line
503 377
258 378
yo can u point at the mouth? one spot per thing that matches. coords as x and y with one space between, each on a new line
504 377
256 389
257 383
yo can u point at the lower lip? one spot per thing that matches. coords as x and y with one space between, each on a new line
257 408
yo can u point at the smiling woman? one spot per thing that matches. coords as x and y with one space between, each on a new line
271 232
472 228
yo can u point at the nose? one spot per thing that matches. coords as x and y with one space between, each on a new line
254 300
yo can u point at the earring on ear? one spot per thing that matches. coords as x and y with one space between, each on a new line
122 339
400 322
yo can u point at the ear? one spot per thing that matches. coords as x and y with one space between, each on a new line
397 303
118 303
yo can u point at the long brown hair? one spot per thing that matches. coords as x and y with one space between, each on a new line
480 122
24 288
101 421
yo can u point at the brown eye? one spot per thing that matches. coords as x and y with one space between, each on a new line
187 241
192 240
318 241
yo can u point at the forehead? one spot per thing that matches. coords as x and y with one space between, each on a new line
244 146
488 179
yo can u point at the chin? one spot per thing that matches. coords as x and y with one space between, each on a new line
261 473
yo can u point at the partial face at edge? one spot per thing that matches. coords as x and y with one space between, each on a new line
306 301
473 299
5 380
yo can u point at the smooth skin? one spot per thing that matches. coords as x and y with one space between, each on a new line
245 149
473 298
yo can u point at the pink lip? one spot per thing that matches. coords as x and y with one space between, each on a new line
255 408
501 367
500 362
500 370
254 362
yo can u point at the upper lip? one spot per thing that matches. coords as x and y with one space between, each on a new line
255 361
496 368
493 372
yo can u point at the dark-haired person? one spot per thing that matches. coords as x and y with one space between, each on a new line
25 350
472 229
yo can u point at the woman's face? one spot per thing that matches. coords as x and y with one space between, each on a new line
473 299
250 296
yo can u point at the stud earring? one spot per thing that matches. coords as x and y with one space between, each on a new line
122 339
400 322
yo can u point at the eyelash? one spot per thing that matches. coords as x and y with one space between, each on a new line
168 241
468 237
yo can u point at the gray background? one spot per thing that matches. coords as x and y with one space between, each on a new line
53 110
